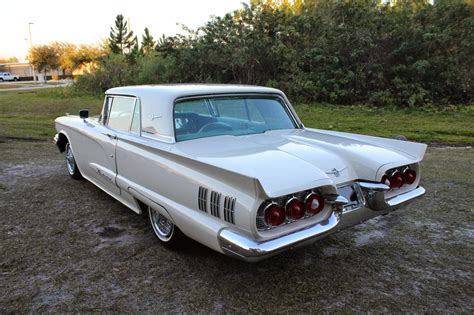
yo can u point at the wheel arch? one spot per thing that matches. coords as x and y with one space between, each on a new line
61 141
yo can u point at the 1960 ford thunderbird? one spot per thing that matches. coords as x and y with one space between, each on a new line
233 167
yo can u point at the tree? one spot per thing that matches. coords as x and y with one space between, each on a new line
120 39
66 53
148 43
133 51
89 55
44 58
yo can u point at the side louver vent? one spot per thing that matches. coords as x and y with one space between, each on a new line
229 204
215 203
202 199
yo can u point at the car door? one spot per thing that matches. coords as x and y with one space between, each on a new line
116 118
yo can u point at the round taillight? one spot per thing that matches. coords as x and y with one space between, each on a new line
274 214
385 180
314 203
396 180
409 176
294 209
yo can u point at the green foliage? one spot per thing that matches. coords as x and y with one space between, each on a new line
121 40
405 53
112 71
148 43
44 58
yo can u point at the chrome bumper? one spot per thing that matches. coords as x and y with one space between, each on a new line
237 245
243 247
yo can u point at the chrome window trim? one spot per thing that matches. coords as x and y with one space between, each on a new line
136 101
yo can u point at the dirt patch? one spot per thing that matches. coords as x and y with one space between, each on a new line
68 247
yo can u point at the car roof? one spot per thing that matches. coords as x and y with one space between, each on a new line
157 101
174 91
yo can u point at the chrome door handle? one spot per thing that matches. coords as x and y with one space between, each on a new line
111 136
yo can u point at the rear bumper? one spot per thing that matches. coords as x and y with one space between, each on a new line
243 247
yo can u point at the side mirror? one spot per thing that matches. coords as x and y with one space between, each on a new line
84 113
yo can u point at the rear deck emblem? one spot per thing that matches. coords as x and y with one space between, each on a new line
336 172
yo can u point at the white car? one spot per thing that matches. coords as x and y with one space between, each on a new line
233 167
7 76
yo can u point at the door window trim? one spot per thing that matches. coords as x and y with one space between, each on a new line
108 104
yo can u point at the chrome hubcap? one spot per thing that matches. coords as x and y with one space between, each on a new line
71 164
161 225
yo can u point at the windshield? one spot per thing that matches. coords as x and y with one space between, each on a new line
230 115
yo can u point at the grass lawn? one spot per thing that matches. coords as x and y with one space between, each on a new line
30 114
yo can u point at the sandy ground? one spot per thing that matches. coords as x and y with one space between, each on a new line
65 246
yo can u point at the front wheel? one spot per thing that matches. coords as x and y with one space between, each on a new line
15 79
72 168
166 231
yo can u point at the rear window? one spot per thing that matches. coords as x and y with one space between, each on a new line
235 115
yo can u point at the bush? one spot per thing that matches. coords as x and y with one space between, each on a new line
408 54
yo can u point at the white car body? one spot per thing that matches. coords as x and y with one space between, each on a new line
213 187
7 76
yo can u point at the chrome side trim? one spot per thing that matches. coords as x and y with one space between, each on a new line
237 245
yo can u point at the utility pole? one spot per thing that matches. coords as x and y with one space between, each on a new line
29 52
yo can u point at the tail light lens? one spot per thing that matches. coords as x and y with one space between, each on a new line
409 176
396 180
314 203
385 180
294 209
274 214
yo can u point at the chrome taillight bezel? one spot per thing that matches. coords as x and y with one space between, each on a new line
283 201
389 174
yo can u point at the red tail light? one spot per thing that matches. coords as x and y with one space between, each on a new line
409 176
294 209
314 203
274 214
385 180
396 180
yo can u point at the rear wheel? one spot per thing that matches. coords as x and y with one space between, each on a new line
72 168
15 79
165 230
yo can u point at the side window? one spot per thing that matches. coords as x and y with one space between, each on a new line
121 113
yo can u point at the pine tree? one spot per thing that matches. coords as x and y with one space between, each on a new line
148 43
120 38
132 51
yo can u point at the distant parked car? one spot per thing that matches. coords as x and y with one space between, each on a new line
233 167
7 76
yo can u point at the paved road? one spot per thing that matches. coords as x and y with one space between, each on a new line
31 85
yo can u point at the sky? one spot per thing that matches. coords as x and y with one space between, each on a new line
89 21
